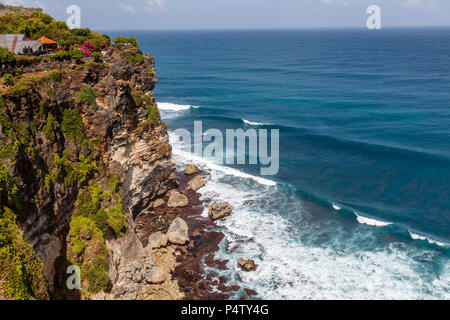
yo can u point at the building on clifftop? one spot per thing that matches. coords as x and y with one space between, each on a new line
19 44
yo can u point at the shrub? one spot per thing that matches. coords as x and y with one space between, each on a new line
21 272
137 98
114 183
49 128
80 171
8 188
96 272
123 40
8 78
97 276
87 94
73 125
19 90
47 183
42 108
51 93
76 53
61 56
152 114
97 56
18 72
89 205
77 169
6 56
56 76
136 58
27 61
86 225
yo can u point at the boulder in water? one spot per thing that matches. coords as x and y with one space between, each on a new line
191 169
220 210
196 183
247 265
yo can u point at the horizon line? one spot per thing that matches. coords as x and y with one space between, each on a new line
279 28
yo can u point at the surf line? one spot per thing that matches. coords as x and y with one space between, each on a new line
235 153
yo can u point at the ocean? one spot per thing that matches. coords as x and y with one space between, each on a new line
360 208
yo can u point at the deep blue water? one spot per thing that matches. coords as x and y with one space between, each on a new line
364 120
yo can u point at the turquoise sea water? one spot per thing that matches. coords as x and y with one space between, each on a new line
361 205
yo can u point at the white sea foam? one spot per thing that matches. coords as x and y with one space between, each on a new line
336 207
254 123
205 162
290 267
416 236
371 221
167 106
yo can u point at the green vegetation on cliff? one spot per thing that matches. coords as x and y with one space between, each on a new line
73 126
6 57
49 128
123 40
85 234
21 273
99 214
87 95
107 220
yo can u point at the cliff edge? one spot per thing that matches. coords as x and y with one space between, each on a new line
83 152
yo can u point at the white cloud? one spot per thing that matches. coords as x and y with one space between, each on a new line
128 8
155 5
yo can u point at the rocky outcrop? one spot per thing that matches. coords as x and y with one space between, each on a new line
191 169
220 210
196 183
178 232
177 200
157 240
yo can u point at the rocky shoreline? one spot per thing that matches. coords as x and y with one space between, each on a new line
184 264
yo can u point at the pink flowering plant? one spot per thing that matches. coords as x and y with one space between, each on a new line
89 48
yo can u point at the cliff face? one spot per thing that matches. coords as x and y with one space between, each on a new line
85 146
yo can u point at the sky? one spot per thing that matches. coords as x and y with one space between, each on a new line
243 14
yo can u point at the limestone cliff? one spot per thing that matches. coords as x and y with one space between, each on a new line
85 148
